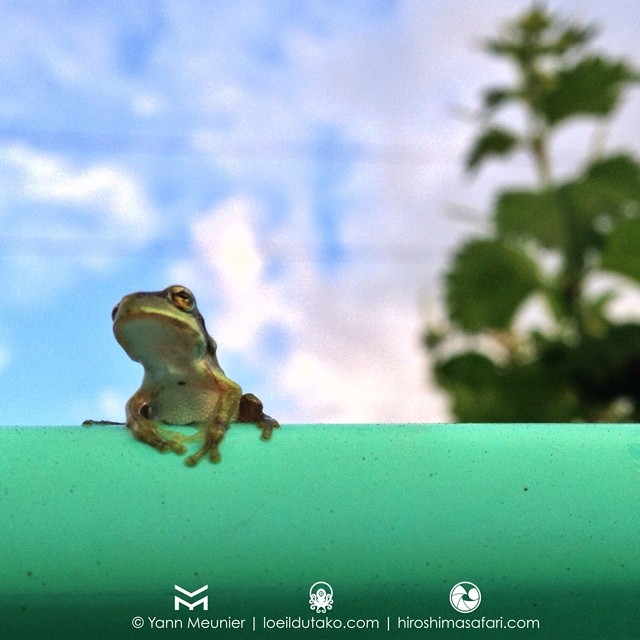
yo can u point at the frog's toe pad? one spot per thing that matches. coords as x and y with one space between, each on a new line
178 448
267 426
214 456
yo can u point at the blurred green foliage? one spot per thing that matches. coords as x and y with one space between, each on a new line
568 358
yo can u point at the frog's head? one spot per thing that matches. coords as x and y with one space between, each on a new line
162 329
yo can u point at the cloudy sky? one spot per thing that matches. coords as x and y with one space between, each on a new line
297 164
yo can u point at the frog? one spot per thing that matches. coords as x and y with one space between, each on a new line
183 382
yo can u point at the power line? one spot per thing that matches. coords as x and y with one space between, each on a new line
317 253
203 145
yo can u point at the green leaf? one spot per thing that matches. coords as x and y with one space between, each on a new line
607 192
472 380
533 215
570 213
487 283
433 338
539 33
496 141
470 369
497 96
482 391
617 178
571 37
622 249
592 87
534 22
601 369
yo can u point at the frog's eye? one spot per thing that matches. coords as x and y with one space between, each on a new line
114 311
182 298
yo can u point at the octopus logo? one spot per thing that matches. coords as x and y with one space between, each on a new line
321 597
465 597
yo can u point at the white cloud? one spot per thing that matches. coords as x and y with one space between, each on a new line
226 241
113 202
86 215
354 351
357 357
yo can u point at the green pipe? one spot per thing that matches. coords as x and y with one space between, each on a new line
97 529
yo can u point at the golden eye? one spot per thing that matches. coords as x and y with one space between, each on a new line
182 298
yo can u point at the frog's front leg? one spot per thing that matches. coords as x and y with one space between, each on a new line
215 428
141 425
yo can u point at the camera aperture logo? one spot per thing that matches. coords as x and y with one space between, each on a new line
465 597
321 597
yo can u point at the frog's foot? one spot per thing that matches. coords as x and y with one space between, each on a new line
212 439
267 425
251 411
147 432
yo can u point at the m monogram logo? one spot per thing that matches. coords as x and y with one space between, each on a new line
204 601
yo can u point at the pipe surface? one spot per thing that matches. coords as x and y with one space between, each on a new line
97 530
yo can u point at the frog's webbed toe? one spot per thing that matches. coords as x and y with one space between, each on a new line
177 447
163 444
267 425
149 433
213 454
212 438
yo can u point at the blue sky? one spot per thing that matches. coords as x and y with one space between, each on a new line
293 163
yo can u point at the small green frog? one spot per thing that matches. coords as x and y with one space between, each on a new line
183 383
